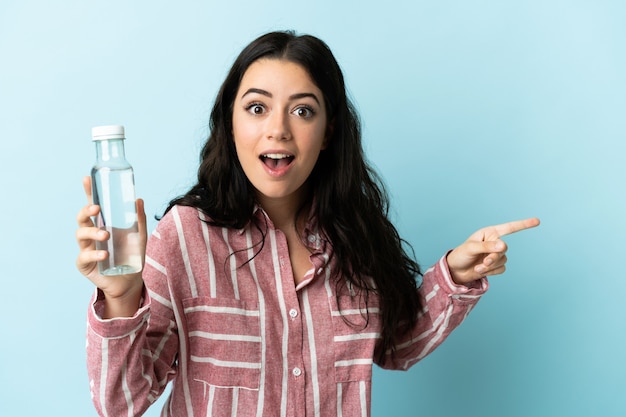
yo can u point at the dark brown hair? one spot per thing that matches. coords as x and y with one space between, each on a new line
350 201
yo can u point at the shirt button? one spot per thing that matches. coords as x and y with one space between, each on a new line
296 371
293 313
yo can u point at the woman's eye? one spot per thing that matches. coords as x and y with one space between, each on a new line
304 112
255 108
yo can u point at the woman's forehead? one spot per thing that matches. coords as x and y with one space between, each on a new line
277 73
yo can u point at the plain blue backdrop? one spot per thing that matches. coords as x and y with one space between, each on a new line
475 112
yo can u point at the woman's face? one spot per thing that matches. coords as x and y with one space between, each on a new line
279 128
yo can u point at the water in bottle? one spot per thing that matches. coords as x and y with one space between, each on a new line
113 189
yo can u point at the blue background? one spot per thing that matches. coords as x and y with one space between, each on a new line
476 113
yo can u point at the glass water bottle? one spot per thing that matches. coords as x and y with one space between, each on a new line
113 189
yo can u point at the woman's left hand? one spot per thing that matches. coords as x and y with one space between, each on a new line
484 253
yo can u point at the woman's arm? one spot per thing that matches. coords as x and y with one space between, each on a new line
452 287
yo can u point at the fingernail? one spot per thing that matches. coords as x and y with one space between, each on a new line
499 245
480 269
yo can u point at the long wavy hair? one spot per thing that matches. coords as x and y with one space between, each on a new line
348 197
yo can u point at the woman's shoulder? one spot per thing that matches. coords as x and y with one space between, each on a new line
179 216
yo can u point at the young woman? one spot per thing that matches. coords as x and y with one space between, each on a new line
276 282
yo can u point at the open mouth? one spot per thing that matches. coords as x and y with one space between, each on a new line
276 160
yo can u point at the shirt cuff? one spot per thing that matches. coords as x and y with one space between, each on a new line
478 287
119 326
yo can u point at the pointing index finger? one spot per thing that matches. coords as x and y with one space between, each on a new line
515 226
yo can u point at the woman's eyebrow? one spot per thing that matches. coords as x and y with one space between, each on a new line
303 95
258 91
268 94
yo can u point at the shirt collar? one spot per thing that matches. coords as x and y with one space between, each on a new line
311 233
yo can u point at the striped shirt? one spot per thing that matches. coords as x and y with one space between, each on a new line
224 322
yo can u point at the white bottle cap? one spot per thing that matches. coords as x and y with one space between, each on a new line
107 132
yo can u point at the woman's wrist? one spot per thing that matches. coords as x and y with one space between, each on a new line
125 305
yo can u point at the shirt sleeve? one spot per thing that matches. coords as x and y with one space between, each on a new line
445 306
130 360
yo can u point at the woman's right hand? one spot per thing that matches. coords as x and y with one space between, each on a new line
122 292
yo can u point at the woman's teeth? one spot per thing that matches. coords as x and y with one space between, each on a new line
276 160
275 155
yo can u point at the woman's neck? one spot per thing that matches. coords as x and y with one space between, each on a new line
286 212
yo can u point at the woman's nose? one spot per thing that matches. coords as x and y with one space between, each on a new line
278 126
